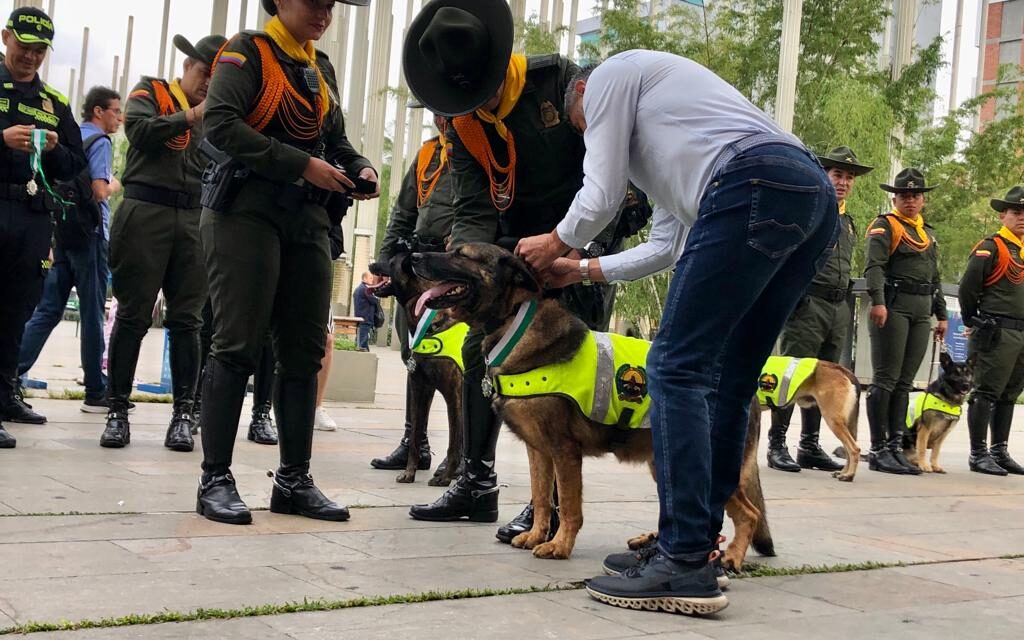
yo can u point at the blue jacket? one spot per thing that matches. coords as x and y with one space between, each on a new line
364 304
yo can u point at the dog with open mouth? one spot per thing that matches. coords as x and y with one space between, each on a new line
566 391
932 414
434 365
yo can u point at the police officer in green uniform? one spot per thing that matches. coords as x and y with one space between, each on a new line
154 240
819 326
992 305
902 273
41 144
516 166
421 220
274 111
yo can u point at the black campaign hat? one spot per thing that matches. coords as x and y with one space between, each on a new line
907 181
205 50
456 54
271 8
1014 200
31 26
844 158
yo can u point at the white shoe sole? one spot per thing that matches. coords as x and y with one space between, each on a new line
670 604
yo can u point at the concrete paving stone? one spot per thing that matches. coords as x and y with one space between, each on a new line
68 559
239 629
1001 578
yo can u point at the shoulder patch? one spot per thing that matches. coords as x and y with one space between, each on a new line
982 253
57 94
233 57
877 231
539 62
139 93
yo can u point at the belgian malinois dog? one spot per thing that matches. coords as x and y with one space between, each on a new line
427 374
929 429
486 286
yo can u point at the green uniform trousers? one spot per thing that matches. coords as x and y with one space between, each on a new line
999 371
817 329
898 348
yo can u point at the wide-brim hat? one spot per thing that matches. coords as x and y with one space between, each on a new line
1014 200
271 8
456 53
205 50
907 181
844 158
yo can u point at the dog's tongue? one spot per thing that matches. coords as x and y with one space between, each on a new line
433 292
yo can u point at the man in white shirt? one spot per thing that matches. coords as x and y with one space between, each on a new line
761 216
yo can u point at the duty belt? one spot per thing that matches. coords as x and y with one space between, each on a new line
1006 322
165 197
16 192
829 294
913 288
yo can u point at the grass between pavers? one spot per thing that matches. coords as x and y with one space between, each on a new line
77 394
752 570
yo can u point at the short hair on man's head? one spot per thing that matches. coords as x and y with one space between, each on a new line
570 90
97 97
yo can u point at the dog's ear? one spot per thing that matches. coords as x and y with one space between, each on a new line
945 360
519 273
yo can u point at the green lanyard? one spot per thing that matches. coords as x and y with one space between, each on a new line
35 162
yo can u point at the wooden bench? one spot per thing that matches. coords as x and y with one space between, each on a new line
346 326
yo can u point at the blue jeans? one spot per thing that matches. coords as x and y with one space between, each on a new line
363 335
86 270
767 222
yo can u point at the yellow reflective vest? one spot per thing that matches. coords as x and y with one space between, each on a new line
780 377
921 402
446 344
607 378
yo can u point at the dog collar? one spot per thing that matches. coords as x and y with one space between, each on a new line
421 328
512 336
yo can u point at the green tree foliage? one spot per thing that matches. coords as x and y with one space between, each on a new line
536 39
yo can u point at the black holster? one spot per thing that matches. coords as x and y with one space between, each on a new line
222 179
986 332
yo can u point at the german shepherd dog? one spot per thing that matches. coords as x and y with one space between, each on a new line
484 285
427 374
929 430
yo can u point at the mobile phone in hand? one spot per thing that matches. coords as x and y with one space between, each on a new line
364 186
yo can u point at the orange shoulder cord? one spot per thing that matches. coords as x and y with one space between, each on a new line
425 184
502 178
1005 265
899 234
165 103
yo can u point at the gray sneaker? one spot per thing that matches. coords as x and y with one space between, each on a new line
662 584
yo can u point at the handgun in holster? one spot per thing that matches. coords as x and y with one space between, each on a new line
222 179
985 331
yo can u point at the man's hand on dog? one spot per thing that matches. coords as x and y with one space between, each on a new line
879 314
540 252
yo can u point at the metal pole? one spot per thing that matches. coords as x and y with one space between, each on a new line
885 50
957 39
71 87
574 12
557 15
113 81
127 56
982 47
83 67
789 52
46 64
170 69
906 16
545 14
243 13
261 18
398 156
219 17
163 38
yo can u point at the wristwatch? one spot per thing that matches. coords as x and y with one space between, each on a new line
592 250
585 272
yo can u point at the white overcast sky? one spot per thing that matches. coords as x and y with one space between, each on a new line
107 21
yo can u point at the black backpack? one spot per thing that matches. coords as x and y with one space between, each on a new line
78 222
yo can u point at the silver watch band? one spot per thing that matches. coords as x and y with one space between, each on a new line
585 272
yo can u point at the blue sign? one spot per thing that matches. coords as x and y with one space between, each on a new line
956 337
165 371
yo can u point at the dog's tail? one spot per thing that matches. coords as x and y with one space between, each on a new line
762 538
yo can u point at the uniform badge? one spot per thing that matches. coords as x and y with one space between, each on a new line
487 387
768 382
410 364
549 115
31 188
47 105
631 383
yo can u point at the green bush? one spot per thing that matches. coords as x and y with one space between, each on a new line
345 344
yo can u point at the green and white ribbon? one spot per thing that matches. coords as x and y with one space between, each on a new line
524 315
35 162
421 328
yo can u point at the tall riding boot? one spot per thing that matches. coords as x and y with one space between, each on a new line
897 427
13 407
1002 419
880 458
294 491
184 360
261 428
475 494
224 390
7 441
778 454
810 455
397 459
979 413
123 356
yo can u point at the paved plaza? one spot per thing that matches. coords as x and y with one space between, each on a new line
88 534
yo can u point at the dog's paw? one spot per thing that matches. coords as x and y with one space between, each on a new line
439 481
529 539
406 477
552 551
842 476
642 540
927 468
938 469
732 561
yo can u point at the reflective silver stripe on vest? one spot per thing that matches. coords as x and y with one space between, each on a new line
604 376
787 378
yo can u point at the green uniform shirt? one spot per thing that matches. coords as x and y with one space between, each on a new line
273 153
1004 298
921 267
154 156
835 274
549 167
431 222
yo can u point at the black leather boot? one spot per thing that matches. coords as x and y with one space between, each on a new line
197 407
179 432
224 392
184 361
294 491
218 500
122 357
897 429
810 455
397 459
13 407
524 522
7 441
261 428
474 496
778 454
1002 419
979 414
880 458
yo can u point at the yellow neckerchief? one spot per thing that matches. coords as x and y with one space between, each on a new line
179 94
301 52
923 241
515 80
1011 237
842 207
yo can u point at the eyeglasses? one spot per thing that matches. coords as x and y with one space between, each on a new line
116 111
